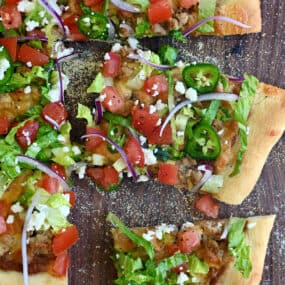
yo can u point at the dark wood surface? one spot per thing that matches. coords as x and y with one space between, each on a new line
151 203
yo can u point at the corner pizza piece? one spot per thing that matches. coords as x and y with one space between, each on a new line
35 156
229 251
184 124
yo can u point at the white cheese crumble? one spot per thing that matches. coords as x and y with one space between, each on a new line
142 139
29 64
179 63
191 94
26 6
27 90
54 93
182 278
61 138
143 178
149 157
187 225
10 219
76 150
116 47
60 50
17 208
180 87
152 109
107 56
180 133
159 105
4 65
81 171
158 122
149 235
31 25
133 43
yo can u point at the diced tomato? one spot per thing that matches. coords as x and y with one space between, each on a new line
143 121
188 240
11 45
208 206
159 11
134 152
64 240
61 264
187 3
4 124
93 142
112 66
27 134
11 17
112 101
12 2
168 173
59 169
56 111
74 33
29 54
92 3
72 197
104 177
50 184
156 85
165 138
3 225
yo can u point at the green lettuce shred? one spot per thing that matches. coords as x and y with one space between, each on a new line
97 85
241 111
84 112
206 9
238 247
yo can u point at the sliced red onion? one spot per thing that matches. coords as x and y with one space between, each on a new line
99 112
218 18
32 206
200 98
42 167
111 30
68 56
128 28
236 79
146 61
32 38
125 6
60 82
208 173
54 14
52 122
118 148
149 173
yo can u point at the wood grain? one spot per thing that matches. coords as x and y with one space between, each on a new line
150 203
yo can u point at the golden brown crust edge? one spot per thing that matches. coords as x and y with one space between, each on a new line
266 125
245 11
16 278
257 238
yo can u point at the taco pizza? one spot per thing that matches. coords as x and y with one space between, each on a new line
184 124
228 251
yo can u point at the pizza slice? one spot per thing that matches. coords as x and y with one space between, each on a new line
35 156
228 251
184 124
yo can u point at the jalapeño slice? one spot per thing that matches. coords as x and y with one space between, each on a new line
204 77
204 143
94 26
6 65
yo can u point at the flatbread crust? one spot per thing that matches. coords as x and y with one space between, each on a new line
257 238
16 278
266 125
245 11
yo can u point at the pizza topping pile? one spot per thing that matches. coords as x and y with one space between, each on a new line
159 118
196 253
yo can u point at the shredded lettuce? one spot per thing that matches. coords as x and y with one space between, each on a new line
143 3
214 184
84 112
238 247
211 112
241 111
97 85
197 266
142 28
206 9
138 240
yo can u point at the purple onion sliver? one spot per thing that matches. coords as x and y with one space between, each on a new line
60 82
149 173
128 28
31 38
125 6
111 30
52 122
118 148
37 164
205 178
68 56
99 112
53 13
219 18
236 79
154 65
33 204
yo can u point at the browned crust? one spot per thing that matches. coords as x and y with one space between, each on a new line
266 126
245 11
257 238
16 278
